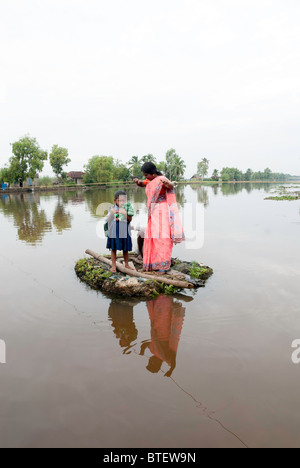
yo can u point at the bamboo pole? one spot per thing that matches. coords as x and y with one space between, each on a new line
122 269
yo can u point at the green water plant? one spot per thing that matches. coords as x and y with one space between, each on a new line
169 289
154 293
283 193
284 198
197 271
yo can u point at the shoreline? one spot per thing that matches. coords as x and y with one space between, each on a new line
106 185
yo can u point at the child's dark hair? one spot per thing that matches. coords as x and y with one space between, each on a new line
119 194
150 168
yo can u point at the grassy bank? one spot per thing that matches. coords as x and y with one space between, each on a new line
54 188
119 184
200 182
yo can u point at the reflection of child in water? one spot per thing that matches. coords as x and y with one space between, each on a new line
121 316
166 316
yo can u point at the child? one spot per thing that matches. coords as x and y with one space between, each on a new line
119 219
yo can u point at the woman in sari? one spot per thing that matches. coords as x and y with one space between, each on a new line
164 227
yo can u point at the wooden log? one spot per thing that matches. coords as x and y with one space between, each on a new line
131 264
122 269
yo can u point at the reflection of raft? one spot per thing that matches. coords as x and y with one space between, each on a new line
183 275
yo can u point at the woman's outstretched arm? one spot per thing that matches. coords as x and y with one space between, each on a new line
139 183
167 183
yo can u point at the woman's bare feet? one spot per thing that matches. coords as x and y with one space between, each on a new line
155 273
113 270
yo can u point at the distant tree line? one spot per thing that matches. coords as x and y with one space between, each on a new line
28 159
229 174
232 174
108 169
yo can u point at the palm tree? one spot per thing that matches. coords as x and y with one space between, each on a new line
215 174
203 168
161 166
177 168
148 158
134 161
135 166
175 165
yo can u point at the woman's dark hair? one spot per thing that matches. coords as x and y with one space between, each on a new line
150 168
119 194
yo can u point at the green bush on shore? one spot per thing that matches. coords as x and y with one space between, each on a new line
46 181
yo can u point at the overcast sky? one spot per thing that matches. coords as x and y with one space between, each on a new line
210 78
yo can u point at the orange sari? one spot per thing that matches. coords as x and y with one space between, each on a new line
164 226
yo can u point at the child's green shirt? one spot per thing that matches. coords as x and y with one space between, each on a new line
129 210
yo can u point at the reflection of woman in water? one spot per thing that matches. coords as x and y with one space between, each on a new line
121 316
166 316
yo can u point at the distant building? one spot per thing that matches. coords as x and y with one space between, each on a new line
77 177
27 183
196 177
32 182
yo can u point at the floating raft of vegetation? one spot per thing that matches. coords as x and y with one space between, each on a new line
95 271
285 193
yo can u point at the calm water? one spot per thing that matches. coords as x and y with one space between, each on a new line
209 370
